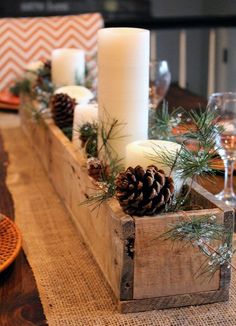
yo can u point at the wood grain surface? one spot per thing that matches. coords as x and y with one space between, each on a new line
19 299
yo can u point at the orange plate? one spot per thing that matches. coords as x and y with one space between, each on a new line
10 242
8 98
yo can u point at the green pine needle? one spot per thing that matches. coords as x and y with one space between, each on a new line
209 236
161 122
68 132
20 86
109 129
111 163
89 135
203 128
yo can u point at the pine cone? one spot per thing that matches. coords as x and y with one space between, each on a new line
96 169
47 65
144 192
63 110
44 73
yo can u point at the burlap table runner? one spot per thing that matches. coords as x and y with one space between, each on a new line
71 287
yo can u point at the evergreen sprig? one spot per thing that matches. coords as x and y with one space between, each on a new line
203 128
111 164
106 186
21 86
68 132
162 123
109 129
43 88
209 236
89 137
198 149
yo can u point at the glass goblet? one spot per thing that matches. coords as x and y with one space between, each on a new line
159 82
224 104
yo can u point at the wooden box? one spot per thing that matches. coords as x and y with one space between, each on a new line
143 271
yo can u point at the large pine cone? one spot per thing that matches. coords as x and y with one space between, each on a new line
144 192
63 110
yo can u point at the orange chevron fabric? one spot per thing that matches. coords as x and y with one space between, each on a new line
23 40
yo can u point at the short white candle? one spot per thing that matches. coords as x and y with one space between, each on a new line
140 153
82 115
68 67
123 82
81 94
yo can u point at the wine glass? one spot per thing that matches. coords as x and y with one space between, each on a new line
224 104
160 78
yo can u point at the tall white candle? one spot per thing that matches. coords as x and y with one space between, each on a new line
123 78
68 67
82 115
141 153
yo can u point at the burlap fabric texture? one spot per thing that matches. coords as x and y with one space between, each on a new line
71 287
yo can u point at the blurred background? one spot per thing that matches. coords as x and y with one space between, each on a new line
196 37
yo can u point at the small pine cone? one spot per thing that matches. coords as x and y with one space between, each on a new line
63 110
96 169
44 73
47 65
94 166
144 192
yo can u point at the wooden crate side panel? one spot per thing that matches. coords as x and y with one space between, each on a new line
164 268
70 180
104 231
203 198
112 246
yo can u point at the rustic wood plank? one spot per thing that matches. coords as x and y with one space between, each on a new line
173 301
164 268
107 231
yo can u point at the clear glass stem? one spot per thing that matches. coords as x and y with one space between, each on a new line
228 184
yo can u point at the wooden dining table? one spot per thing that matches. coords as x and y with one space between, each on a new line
19 298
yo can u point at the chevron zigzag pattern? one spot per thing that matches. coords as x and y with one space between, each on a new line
23 40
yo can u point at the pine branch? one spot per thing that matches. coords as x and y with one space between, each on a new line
88 135
196 156
204 128
110 163
108 130
201 233
162 123
21 86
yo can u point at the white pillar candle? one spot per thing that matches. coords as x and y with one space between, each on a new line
81 94
68 67
141 153
82 115
123 82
